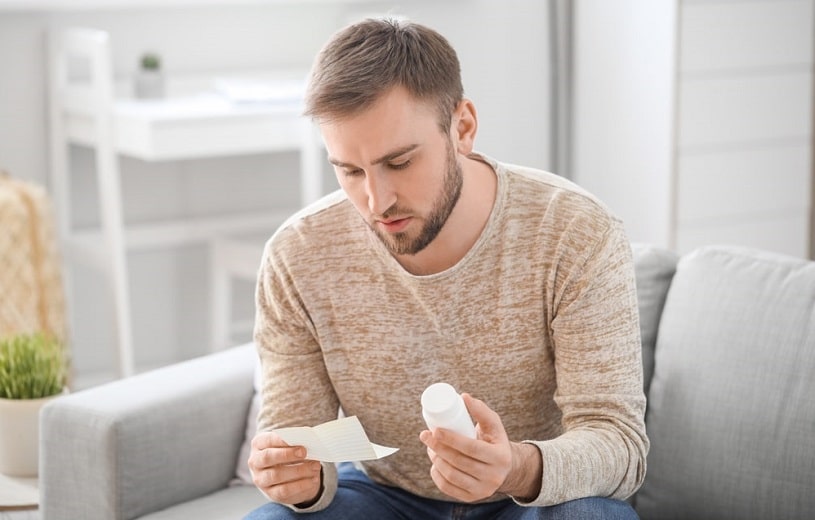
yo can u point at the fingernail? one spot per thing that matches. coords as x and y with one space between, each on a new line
301 452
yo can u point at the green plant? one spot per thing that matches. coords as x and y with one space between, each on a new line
150 61
32 366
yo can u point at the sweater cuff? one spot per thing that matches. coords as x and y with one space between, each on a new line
330 481
567 472
554 489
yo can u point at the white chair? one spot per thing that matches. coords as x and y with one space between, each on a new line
232 259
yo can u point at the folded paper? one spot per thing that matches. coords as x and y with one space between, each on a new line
341 440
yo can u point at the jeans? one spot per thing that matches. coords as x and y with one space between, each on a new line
358 498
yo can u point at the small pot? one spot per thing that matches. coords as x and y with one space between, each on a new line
20 435
149 84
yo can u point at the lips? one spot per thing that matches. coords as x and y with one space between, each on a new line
394 225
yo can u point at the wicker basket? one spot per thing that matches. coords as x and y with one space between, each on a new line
31 293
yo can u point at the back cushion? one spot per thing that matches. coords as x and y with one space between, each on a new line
654 268
731 413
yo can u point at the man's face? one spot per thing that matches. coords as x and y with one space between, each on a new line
398 169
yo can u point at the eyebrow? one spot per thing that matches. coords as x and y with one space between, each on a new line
385 158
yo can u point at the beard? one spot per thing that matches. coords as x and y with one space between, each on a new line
404 243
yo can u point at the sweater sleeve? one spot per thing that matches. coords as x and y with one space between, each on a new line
595 333
295 390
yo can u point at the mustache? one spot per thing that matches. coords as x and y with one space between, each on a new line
391 211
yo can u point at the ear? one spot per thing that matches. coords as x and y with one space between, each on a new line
464 127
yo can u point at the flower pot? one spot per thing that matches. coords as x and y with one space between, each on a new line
20 435
149 84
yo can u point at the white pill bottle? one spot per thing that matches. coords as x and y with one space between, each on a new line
443 407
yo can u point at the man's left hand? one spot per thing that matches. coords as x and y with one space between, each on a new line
474 469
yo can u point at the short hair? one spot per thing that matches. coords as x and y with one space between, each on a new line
364 60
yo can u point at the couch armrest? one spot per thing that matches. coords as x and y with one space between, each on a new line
141 444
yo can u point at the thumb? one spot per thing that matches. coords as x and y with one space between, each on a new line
488 422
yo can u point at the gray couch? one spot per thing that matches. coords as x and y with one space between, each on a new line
729 356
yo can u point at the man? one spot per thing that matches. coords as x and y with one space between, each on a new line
435 263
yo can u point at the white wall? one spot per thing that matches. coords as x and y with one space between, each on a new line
624 77
504 55
744 144
693 119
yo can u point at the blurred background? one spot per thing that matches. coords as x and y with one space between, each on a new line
691 119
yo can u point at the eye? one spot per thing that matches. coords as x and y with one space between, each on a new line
399 166
355 172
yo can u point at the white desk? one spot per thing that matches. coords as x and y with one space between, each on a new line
191 127
197 125
194 121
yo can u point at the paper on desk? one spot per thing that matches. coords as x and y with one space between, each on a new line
246 90
341 440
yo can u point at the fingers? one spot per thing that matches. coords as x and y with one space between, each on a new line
470 469
461 460
454 483
489 423
265 440
270 450
458 475
290 484
281 471
462 453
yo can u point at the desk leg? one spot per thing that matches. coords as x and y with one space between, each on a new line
110 194
220 279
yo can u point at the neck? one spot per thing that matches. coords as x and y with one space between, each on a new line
465 224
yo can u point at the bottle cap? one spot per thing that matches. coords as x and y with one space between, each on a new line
439 398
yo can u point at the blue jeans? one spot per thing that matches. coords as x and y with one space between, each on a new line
360 498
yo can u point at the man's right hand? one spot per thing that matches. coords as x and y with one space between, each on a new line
281 471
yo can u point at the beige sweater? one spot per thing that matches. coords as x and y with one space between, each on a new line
539 320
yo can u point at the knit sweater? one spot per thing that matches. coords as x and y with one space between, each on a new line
538 320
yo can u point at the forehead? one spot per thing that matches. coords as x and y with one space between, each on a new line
394 120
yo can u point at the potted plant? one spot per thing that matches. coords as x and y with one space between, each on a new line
150 79
33 370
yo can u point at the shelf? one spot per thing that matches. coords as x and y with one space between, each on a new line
179 232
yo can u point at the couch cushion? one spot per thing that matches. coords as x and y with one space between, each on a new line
654 268
226 504
731 414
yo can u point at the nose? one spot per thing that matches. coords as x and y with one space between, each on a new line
380 193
